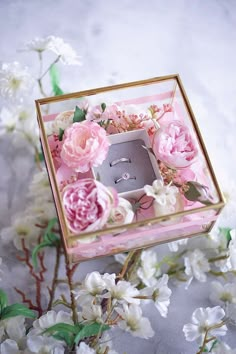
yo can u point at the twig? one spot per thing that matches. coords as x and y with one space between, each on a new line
207 340
69 273
54 280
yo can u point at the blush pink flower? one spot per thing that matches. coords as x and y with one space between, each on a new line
174 145
87 204
85 145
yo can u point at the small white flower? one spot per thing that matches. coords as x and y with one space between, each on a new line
40 187
9 346
133 322
84 349
62 121
92 286
50 319
67 54
174 245
160 293
14 80
122 214
22 228
222 348
163 195
45 345
37 44
221 294
149 267
231 260
13 328
105 342
92 313
121 291
196 265
203 319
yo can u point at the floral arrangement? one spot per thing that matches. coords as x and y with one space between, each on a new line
62 312
79 142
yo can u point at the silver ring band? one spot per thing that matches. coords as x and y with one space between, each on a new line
125 177
122 159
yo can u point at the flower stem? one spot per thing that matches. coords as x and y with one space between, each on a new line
54 280
207 340
69 273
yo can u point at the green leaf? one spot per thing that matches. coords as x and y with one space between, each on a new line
90 330
225 231
54 76
66 337
53 239
40 157
17 310
61 327
51 223
61 133
103 106
49 240
36 251
3 300
79 115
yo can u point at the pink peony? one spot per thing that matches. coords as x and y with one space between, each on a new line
85 145
87 204
174 145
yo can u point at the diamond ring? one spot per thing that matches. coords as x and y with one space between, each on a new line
124 177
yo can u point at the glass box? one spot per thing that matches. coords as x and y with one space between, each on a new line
127 166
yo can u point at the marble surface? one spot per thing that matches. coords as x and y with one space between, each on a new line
121 41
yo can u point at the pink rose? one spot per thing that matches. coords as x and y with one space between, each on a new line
85 145
174 145
87 204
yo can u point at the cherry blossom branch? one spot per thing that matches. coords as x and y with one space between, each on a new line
39 278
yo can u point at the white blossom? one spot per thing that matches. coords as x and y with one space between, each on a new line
174 245
37 44
49 319
13 328
44 345
84 348
221 294
22 229
122 291
64 50
92 286
92 312
9 346
39 186
230 263
160 293
196 265
163 195
149 267
15 81
133 321
222 348
105 342
202 320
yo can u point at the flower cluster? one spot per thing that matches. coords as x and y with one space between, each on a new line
79 142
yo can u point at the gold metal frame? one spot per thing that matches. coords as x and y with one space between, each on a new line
68 237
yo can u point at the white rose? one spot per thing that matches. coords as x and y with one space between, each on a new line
62 121
122 214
